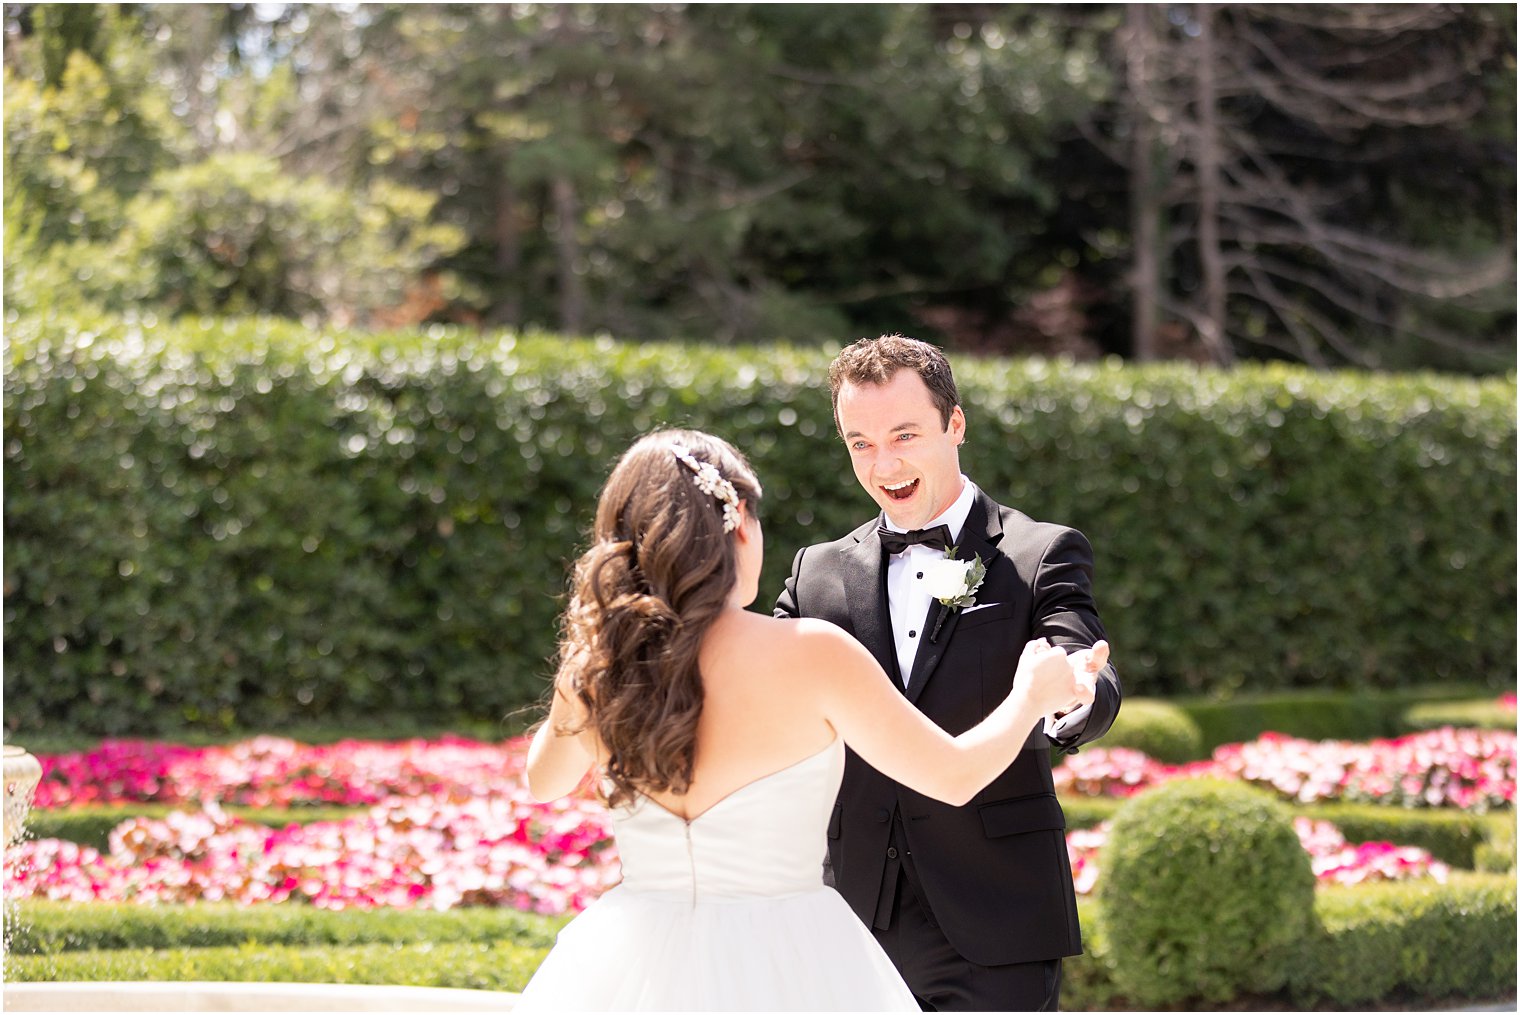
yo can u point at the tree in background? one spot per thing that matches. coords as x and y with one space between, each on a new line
138 174
1331 184
733 172
1328 183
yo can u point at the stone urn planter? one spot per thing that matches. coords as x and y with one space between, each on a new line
22 773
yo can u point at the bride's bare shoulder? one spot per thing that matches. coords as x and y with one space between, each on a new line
804 639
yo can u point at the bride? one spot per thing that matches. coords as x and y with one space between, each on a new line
719 738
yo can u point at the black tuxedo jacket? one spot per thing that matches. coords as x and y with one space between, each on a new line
993 872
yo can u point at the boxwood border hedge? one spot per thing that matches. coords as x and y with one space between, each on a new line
1415 942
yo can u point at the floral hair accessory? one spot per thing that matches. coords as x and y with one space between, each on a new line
711 482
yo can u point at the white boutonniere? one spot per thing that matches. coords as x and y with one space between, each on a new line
954 583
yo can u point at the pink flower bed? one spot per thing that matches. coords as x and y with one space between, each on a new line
449 822
1335 861
1467 769
277 772
431 853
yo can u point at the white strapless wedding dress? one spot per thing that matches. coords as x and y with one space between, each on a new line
726 912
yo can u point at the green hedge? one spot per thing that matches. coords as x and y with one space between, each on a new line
1400 944
1188 728
1318 714
1415 941
1455 837
245 523
467 965
1451 836
1418 939
41 927
1484 713
1157 729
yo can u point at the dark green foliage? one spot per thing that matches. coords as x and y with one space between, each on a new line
225 524
1156 728
1496 853
1086 811
1206 894
1320 714
467 965
1400 945
1416 941
1483 713
1452 836
41 928
1425 940
1087 980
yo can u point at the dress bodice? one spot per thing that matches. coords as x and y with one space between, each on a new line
766 838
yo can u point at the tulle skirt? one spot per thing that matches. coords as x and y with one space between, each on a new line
632 951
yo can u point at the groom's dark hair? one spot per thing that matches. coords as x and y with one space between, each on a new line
877 360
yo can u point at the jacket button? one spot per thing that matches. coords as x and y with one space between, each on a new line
891 852
883 815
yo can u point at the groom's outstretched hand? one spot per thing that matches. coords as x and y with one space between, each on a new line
1086 664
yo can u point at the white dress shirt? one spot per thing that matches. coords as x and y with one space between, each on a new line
908 599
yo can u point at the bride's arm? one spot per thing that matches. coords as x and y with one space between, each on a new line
899 741
557 762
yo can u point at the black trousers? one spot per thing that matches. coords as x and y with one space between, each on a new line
940 978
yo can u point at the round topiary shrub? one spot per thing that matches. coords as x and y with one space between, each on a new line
1157 729
1206 894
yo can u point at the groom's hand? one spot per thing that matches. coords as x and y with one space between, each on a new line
1086 664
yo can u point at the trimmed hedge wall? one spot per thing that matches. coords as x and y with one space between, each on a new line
42 927
466 965
1372 943
1322 714
246 523
1375 941
1483 713
1412 942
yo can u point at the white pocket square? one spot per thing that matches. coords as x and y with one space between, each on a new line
979 606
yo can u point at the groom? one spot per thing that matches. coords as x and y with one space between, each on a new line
974 904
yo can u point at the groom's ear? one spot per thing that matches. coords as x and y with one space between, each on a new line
957 424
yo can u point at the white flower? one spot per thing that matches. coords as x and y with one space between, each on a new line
954 583
946 578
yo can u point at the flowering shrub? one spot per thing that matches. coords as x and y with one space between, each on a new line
449 822
1113 771
1335 861
403 853
1468 769
278 772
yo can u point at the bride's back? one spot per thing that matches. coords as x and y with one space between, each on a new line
758 715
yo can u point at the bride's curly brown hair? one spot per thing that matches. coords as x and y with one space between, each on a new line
658 572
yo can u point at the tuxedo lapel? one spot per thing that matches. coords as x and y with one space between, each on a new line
979 537
865 590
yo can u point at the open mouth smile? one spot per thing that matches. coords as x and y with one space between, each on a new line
903 490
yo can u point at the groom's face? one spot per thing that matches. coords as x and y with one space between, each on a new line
904 456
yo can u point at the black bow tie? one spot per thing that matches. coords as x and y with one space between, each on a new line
937 538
